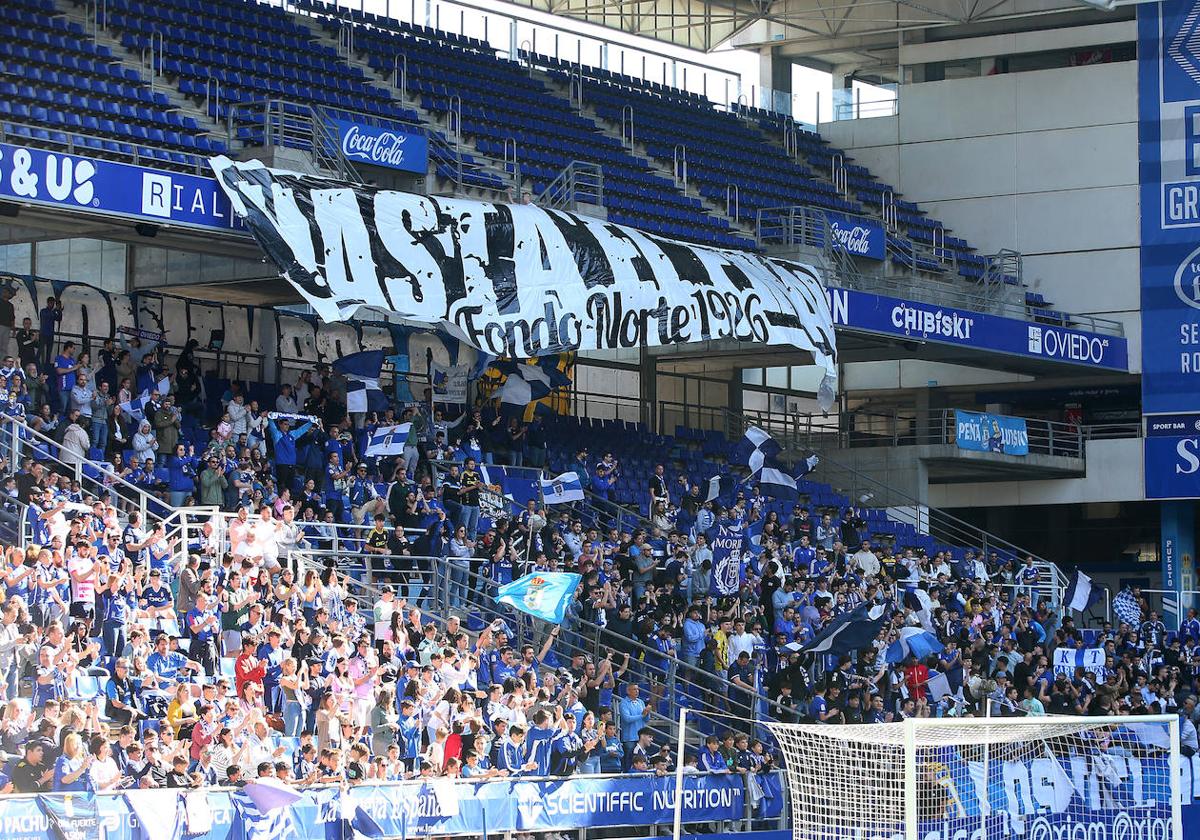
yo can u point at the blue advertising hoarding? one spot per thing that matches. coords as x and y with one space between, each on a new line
858 236
1034 799
379 146
1169 174
73 182
960 327
991 433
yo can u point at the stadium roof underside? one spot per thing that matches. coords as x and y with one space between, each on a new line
855 33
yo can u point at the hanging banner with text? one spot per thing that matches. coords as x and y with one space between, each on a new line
1169 172
991 433
518 281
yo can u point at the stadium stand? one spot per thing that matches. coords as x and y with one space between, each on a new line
289 503
642 639
58 81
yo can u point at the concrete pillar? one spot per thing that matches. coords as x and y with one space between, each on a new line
648 388
774 80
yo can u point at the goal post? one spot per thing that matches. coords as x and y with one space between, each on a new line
1039 778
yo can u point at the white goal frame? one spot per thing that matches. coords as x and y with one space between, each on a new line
910 741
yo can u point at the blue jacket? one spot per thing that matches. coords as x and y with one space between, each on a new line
693 637
285 442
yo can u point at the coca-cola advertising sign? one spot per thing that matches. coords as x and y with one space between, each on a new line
857 235
380 146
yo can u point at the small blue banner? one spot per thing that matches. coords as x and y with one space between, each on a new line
991 433
727 549
858 236
381 146
72 182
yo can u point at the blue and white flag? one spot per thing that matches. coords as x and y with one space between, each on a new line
777 484
136 407
727 555
1127 608
913 641
753 537
528 383
1081 594
849 631
938 686
387 440
808 465
270 820
755 449
72 815
362 381
544 595
562 489
1091 660
720 485
357 824
159 811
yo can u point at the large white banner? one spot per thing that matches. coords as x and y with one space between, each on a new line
517 280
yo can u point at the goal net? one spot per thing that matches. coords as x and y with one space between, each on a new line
1040 778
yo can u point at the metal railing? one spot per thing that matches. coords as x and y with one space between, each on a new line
293 125
441 588
580 182
800 435
308 128
867 429
91 145
906 273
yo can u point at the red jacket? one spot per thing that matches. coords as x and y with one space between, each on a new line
243 672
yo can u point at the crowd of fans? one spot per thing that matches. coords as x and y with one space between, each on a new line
241 652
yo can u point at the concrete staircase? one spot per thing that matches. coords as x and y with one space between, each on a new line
639 150
327 33
78 12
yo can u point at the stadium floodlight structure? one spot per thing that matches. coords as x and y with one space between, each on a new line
1036 778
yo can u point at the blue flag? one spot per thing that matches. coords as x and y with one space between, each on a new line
544 595
849 631
71 815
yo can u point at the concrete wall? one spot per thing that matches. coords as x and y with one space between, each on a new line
1042 162
1114 474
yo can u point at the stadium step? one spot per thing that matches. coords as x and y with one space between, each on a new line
78 12
660 168
327 32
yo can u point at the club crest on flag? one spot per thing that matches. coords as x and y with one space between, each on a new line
534 595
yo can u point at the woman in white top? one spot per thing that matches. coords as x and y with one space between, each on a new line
104 772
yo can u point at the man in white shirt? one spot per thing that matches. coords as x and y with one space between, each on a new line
865 560
741 640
